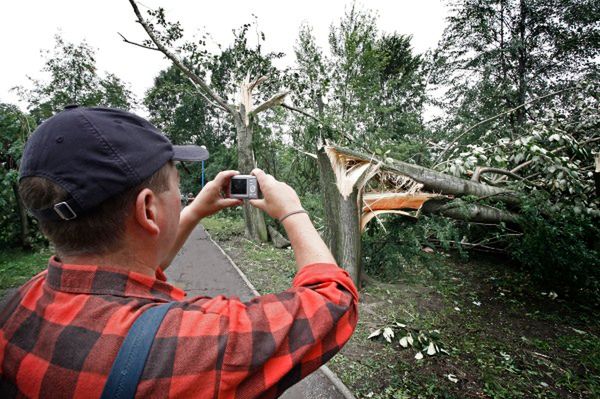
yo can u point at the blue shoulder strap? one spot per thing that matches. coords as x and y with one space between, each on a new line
131 359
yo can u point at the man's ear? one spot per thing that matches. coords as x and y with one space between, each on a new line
146 211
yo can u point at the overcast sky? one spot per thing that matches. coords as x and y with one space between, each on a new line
26 27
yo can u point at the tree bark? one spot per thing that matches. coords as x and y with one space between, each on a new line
522 65
24 236
469 212
597 174
342 220
256 227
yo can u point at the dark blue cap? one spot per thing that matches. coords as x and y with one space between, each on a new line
95 154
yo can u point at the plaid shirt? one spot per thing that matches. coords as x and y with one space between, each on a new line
60 333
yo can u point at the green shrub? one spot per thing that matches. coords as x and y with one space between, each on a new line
389 253
560 248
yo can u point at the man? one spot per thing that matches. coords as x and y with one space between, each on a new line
103 186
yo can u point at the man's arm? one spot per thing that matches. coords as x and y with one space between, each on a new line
206 203
279 200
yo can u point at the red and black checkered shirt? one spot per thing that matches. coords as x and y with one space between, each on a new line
60 333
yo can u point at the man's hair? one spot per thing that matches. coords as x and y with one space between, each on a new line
97 232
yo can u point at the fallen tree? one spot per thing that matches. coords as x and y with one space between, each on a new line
344 174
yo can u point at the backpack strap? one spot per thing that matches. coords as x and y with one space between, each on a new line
128 366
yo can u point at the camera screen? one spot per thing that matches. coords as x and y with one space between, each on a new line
238 186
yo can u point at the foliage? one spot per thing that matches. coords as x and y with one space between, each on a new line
522 94
556 154
73 79
560 249
15 127
368 90
188 117
389 253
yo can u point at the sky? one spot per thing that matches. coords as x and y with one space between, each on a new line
27 27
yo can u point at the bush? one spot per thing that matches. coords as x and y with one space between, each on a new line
561 249
389 254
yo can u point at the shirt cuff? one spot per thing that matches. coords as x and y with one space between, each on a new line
160 275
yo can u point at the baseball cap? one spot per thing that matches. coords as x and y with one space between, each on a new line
97 153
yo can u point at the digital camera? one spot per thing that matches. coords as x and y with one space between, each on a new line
244 187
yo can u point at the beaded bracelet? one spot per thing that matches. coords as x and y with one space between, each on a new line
290 214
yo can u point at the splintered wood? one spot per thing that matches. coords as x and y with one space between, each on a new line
394 193
349 173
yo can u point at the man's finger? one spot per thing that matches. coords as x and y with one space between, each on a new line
222 177
229 202
260 175
258 203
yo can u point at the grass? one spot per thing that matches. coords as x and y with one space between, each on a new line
504 338
221 228
18 266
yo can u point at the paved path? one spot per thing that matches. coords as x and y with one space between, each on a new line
201 268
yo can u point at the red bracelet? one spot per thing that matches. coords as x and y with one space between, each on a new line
290 214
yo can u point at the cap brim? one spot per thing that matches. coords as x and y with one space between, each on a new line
191 153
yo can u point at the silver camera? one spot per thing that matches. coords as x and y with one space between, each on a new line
244 187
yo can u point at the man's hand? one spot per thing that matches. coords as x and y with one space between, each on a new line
210 200
279 198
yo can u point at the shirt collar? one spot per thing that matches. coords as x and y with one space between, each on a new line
100 280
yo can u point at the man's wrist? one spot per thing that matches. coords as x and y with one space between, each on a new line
295 219
292 213
192 214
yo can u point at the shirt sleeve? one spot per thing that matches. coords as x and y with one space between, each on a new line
275 340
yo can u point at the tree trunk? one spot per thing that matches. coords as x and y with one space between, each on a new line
597 174
24 237
342 220
256 228
522 65
469 212
436 182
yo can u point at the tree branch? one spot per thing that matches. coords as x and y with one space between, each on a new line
208 100
457 138
304 152
191 75
291 108
482 170
554 151
277 99
137 44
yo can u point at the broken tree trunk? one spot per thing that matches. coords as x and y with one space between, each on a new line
342 190
343 175
256 227
433 181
